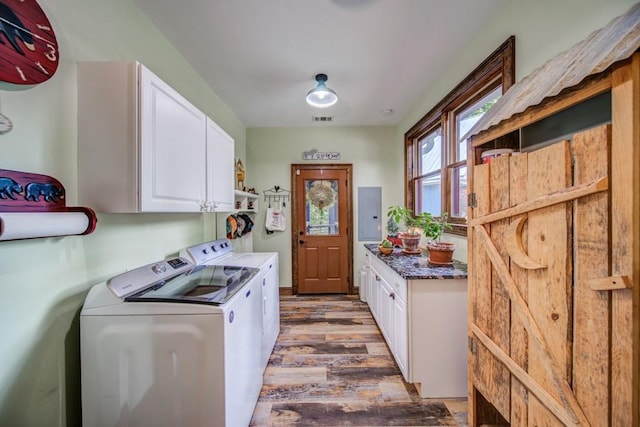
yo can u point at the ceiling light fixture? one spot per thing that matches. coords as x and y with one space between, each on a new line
321 96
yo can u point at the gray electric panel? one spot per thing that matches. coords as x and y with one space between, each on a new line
369 213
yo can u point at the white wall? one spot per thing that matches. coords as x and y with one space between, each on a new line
43 282
271 151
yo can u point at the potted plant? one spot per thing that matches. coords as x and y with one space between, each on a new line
413 225
385 247
392 232
440 253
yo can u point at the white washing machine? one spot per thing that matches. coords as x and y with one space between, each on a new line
221 252
172 344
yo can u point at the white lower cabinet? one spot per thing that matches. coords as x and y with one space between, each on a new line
270 309
385 306
373 283
424 324
400 346
389 308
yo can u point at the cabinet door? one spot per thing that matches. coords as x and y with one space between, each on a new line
386 311
172 149
270 294
374 293
220 168
400 346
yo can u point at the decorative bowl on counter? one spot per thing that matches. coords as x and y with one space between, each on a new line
384 250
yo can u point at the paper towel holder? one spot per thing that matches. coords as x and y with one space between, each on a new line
28 193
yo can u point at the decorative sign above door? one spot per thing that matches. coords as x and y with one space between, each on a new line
317 155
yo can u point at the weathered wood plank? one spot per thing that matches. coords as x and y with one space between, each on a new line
610 283
555 372
525 379
549 297
482 364
591 362
500 307
546 200
625 244
515 245
519 336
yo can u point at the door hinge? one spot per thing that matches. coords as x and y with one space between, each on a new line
472 200
473 347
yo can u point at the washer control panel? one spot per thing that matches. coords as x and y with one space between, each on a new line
140 278
208 251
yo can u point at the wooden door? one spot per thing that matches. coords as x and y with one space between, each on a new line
542 314
321 224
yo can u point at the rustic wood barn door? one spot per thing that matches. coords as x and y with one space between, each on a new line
541 350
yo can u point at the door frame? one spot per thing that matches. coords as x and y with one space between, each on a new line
348 167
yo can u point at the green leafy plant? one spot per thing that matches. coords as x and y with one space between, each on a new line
433 231
386 244
413 224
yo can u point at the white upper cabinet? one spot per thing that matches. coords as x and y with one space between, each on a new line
142 147
220 165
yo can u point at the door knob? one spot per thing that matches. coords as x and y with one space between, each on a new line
301 242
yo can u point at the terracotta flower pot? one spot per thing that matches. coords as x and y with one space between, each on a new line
385 251
441 253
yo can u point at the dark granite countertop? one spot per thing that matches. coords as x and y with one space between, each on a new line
416 266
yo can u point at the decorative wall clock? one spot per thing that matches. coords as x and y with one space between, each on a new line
28 46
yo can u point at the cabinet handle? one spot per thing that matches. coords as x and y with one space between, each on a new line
392 296
377 278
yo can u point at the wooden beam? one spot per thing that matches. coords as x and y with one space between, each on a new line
611 283
554 406
545 201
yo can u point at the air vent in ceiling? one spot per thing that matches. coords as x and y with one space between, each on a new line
322 119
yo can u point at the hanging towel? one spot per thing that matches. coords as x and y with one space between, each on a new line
275 220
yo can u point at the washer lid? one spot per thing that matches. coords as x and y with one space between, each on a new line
213 285
135 280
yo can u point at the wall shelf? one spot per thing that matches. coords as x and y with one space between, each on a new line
246 202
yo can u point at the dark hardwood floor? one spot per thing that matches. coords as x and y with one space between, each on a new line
332 367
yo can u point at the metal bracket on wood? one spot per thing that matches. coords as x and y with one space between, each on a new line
473 347
472 200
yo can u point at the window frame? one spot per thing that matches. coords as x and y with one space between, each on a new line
497 69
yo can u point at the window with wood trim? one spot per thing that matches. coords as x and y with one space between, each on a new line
436 147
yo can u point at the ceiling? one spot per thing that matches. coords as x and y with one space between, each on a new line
261 56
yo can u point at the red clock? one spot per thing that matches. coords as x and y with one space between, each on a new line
28 46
